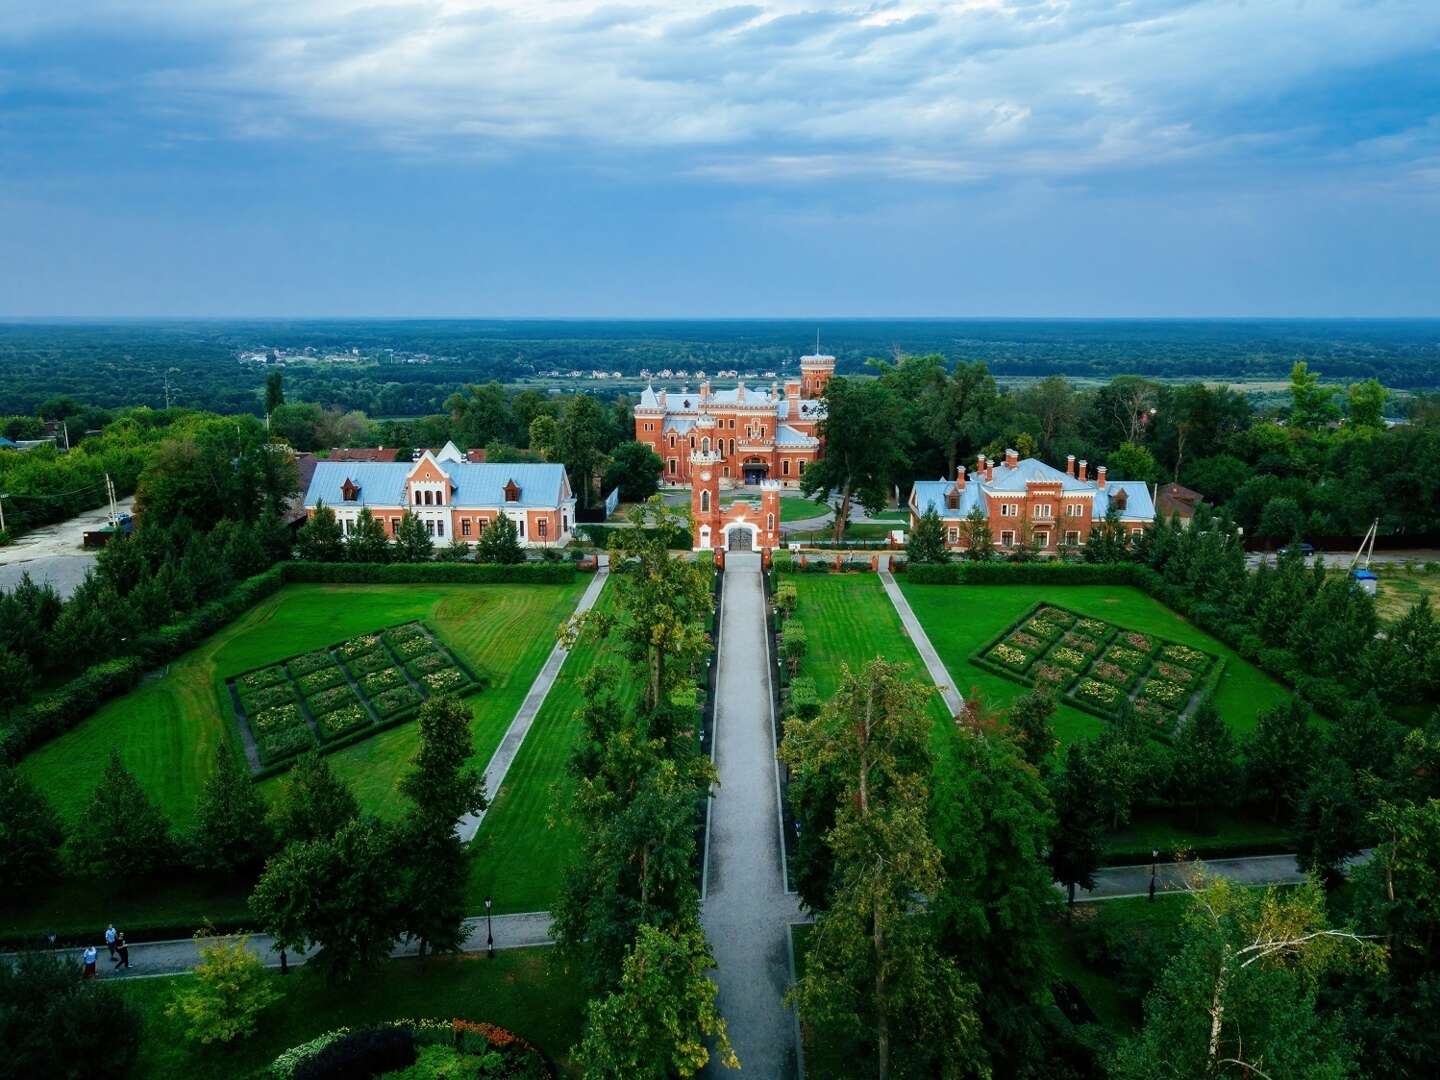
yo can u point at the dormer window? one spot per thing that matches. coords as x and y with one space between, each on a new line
512 491
350 491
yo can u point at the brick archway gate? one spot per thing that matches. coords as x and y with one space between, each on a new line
741 536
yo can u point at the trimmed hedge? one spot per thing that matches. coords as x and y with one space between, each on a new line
1034 573
538 573
60 710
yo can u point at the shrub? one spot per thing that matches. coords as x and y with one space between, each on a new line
311 661
403 633
1052 675
393 701
1092 627
1129 659
283 1067
1010 656
328 701
793 643
1067 657
258 680
364 663
358 646
1185 656
427 662
378 681
1097 693
1044 628
338 722
407 647
286 742
229 991
322 679
1165 692
1022 640
802 698
1080 643
63 708
1109 673
359 1054
439 681
273 720
269 698
1137 641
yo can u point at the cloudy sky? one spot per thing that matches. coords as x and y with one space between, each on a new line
557 157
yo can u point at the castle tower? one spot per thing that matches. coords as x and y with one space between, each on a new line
770 514
705 500
816 372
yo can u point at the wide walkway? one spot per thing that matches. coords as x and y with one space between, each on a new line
514 738
747 908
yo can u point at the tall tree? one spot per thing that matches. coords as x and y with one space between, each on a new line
635 469
979 540
16 681
368 542
441 787
499 542
927 540
657 1023
320 538
412 542
342 893
312 803
1365 405
1079 821
1030 723
873 962
1312 405
230 834
274 391
30 834
1206 772
1279 755
863 457
122 830
1239 997
963 411
578 440
1054 406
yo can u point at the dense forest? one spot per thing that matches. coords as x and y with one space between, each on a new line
196 362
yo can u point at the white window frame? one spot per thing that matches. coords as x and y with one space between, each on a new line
1042 538
1072 538
1007 538
1041 512
952 534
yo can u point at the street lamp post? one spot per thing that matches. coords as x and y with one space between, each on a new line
489 931
1154 868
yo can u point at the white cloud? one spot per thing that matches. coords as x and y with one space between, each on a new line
784 88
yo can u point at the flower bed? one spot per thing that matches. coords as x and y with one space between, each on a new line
365 663
275 701
311 661
416 1049
258 680
338 722
1101 664
327 701
321 679
393 701
379 681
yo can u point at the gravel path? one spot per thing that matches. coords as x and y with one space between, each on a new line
509 746
747 908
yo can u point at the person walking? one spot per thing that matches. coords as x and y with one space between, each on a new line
124 951
90 955
110 939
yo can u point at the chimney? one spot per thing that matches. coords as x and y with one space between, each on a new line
1069 464
704 391
980 466
989 471
792 393
1012 458
1083 466
960 478
1100 477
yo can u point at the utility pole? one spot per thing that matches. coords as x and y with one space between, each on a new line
3 494
65 426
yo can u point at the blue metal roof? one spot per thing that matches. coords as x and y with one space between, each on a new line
382 483
928 493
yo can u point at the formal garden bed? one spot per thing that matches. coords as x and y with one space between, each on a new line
1096 665
415 1050
342 693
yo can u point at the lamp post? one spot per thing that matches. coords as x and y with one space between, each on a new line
1154 868
489 931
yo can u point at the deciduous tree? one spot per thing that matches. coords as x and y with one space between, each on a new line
229 991
231 834
863 456
635 469
312 803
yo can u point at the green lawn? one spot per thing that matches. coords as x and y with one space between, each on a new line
518 990
517 857
961 618
848 618
168 728
865 531
1401 586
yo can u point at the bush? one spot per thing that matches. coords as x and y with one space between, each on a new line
338 722
428 662
311 661
393 701
61 709
322 679
269 698
599 535
372 1052
327 701
802 699
286 742
379 681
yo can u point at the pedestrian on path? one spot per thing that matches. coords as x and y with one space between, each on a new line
124 951
90 955
110 939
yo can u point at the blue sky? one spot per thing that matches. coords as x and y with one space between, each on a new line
973 157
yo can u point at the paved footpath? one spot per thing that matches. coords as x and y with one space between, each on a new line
171 957
939 673
747 908
509 746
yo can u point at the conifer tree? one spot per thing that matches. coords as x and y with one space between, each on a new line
122 829
412 541
927 540
320 538
499 542
368 542
313 803
30 834
230 833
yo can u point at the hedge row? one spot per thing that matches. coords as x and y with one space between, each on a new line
1035 573
60 710
537 573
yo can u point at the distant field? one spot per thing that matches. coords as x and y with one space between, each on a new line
168 728
961 618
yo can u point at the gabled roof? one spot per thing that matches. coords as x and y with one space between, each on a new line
933 493
1138 504
472 484
785 435
1178 499
361 453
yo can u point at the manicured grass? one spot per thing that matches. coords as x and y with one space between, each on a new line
518 990
167 729
517 857
961 618
1170 831
849 619
864 531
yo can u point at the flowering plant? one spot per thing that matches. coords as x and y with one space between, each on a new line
1183 654
1097 692
392 701
1081 643
1022 640
1068 657
383 679
343 720
411 646
311 661
1175 673
1137 641
1165 692
358 645
1129 659
1049 673
269 698
1093 627
329 700
430 661
1109 673
1043 628
1009 655
321 679
443 680
286 741
258 680
272 720
1056 615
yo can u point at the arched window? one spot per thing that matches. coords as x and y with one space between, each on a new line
704 502
428 498
732 446
705 444
672 440
417 496
769 522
